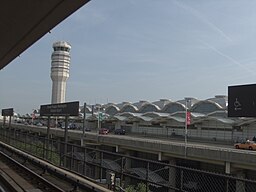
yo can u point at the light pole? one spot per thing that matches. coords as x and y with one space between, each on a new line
98 120
84 119
187 122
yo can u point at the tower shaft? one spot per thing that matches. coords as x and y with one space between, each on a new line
60 70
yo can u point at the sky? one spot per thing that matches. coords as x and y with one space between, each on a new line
133 50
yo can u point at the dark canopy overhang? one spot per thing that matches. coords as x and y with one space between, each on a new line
24 22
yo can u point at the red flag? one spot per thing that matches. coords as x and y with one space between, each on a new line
188 116
33 115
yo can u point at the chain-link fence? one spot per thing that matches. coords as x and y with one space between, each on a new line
121 172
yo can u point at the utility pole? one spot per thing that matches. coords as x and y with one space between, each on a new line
82 140
187 122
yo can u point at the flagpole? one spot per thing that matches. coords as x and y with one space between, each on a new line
187 121
186 126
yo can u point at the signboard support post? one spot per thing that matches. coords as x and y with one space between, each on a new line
48 136
10 118
48 127
61 109
7 112
4 121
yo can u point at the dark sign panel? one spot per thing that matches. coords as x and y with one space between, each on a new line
7 112
60 109
242 101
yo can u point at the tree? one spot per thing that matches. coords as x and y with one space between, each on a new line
141 187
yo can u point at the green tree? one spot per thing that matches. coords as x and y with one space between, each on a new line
130 188
141 187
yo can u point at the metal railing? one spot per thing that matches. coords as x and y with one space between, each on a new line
121 172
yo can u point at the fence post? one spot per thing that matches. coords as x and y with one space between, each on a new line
147 177
72 157
84 162
181 180
227 184
66 141
25 141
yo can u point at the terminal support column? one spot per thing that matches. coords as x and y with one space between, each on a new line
227 167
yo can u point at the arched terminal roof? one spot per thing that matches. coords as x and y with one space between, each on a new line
140 103
206 106
207 112
190 101
162 102
136 117
88 109
121 105
129 108
222 100
112 110
149 107
128 114
173 107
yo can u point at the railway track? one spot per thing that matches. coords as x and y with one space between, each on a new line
20 177
22 172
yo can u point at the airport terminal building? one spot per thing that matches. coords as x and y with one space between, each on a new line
208 119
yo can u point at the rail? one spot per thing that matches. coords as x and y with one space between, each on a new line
66 175
31 176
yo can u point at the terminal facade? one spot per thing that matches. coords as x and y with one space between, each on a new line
209 119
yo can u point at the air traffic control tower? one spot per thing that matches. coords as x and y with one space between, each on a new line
60 70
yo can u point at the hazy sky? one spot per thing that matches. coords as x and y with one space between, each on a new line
132 50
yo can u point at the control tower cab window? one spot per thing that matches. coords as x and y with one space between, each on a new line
61 49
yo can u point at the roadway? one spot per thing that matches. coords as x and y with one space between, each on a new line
197 143
164 147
